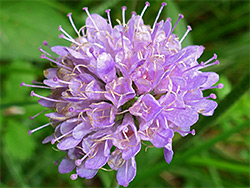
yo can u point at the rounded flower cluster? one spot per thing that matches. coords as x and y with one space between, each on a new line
116 87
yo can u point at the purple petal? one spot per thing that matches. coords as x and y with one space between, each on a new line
98 160
168 153
66 166
126 172
83 172
59 50
67 143
81 130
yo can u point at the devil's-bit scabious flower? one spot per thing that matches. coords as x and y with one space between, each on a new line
117 86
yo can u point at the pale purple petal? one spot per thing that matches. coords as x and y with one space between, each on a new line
66 166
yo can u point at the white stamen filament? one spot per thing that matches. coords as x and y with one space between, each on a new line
72 23
158 15
36 86
38 128
45 98
143 11
108 14
33 117
69 39
43 51
87 12
184 36
43 56
64 32
123 15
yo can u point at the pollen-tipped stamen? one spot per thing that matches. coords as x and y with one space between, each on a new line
186 33
109 19
69 39
73 24
43 51
53 141
158 15
123 15
91 50
219 86
87 12
205 65
38 128
147 4
180 17
33 117
73 176
46 98
188 132
78 162
36 86
45 43
43 56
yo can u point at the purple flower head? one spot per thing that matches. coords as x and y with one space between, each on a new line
116 86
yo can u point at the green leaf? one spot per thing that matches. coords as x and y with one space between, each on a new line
24 25
13 80
219 164
19 144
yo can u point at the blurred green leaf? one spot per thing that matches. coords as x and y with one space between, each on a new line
222 165
12 82
17 141
14 170
191 151
25 25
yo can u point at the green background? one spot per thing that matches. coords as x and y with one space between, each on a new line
217 156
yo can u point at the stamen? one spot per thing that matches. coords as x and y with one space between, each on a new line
108 13
37 86
219 86
190 132
180 17
213 96
46 98
147 4
45 43
43 56
196 66
184 36
211 59
68 39
64 32
78 162
91 50
41 50
158 15
72 23
58 138
73 176
123 15
204 65
86 10
33 117
38 128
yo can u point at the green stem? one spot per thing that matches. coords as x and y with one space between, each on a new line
114 183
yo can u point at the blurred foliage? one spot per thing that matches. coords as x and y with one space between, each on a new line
218 156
